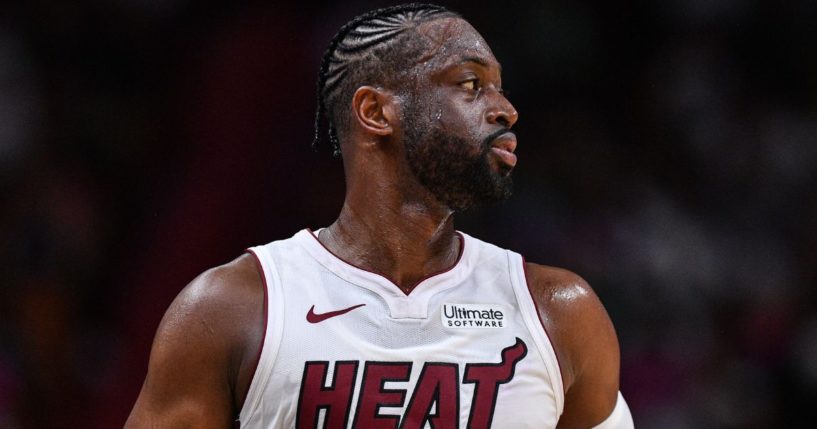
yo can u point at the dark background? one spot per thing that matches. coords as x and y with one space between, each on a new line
668 154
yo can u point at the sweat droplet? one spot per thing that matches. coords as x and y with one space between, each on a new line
439 114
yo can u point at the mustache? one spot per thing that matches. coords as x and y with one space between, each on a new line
493 136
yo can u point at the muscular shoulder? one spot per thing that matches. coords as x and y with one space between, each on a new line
584 339
225 307
217 306
205 349
220 296
557 285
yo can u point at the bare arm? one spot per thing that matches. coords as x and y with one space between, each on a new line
585 342
205 351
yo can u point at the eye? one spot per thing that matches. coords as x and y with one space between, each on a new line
470 84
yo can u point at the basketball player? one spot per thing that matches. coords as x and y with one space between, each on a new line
390 317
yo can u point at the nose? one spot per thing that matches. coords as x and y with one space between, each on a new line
502 112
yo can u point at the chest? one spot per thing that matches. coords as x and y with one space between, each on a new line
461 357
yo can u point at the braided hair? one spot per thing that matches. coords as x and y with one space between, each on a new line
367 49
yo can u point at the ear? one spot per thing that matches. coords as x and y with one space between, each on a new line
374 110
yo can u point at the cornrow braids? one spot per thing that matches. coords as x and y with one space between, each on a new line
356 55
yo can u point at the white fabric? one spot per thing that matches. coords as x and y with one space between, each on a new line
414 331
620 418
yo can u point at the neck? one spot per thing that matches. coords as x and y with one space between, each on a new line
405 240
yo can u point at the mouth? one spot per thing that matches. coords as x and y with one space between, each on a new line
502 146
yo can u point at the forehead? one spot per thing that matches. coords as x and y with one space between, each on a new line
449 41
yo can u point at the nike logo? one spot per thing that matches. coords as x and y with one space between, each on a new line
313 317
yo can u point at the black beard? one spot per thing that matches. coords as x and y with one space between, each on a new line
446 166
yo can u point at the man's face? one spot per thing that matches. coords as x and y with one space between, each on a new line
456 120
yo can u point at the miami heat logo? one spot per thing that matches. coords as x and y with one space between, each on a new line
437 389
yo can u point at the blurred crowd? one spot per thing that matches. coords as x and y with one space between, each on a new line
668 154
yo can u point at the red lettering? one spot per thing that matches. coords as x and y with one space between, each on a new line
373 396
437 388
438 383
336 399
487 378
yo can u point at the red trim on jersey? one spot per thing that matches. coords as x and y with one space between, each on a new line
266 322
547 334
459 257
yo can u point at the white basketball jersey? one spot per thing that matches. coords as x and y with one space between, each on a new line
346 348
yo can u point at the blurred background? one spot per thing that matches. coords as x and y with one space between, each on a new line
668 153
